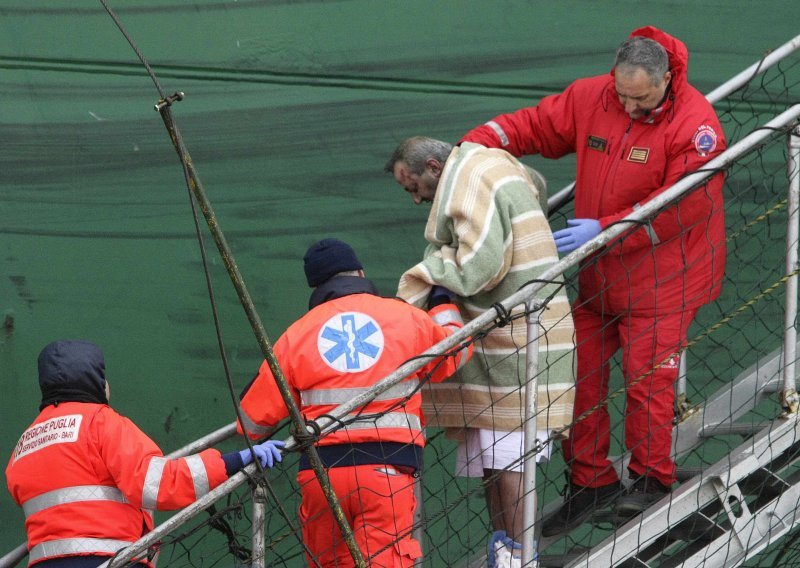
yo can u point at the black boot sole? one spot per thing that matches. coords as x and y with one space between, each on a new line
549 529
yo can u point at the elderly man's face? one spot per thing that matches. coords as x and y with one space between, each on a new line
636 90
421 187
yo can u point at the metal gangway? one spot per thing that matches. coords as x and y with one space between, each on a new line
722 514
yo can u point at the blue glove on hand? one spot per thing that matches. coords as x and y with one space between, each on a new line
577 233
439 295
267 453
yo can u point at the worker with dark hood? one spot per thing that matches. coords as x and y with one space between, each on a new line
88 478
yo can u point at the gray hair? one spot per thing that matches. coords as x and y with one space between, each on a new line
416 150
644 53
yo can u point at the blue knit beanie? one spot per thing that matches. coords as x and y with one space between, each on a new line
327 257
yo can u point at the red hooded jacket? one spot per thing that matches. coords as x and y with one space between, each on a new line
675 262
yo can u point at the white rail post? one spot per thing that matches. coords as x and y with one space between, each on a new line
789 398
529 512
257 556
15 556
682 404
681 386
419 515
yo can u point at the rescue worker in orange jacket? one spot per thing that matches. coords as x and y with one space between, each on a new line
349 340
88 479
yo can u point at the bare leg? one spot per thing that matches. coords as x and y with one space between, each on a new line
504 500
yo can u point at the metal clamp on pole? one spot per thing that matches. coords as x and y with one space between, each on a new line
167 101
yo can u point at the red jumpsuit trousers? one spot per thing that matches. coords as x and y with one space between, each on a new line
646 342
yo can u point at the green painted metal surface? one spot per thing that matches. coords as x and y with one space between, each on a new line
291 110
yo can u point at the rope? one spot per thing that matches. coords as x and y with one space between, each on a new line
769 290
163 107
139 54
304 438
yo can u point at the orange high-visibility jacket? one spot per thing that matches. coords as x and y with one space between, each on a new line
87 478
341 348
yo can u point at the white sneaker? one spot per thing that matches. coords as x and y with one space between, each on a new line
504 552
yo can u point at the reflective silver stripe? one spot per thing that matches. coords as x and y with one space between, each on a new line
199 475
462 358
74 546
447 317
152 482
390 420
499 131
72 495
251 427
340 396
649 229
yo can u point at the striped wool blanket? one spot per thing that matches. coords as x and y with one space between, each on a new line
488 235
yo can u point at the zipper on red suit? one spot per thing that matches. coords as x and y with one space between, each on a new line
614 165
604 288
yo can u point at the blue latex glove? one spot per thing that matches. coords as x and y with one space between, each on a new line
439 295
267 453
577 233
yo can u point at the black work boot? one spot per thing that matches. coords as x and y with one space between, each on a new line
644 492
579 504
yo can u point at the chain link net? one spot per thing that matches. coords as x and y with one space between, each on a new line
729 336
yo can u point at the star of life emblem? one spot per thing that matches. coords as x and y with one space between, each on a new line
350 342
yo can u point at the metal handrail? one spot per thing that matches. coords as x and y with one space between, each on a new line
554 203
333 419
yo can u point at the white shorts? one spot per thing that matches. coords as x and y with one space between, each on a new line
489 449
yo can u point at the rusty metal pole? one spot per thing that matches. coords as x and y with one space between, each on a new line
193 182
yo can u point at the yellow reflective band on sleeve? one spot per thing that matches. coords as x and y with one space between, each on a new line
68 495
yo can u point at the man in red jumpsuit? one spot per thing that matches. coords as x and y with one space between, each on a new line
349 340
88 479
635 131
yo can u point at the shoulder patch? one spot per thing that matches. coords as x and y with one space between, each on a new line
705 140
